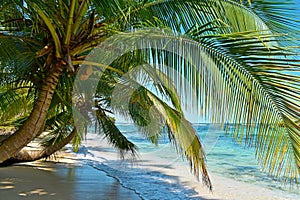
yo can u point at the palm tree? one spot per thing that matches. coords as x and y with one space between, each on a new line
252 70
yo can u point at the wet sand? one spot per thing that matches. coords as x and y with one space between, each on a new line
177 171
60 181
75 178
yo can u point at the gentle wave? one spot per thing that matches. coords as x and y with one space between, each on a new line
147 178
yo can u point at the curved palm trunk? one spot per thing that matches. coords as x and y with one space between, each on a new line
35 122
33 155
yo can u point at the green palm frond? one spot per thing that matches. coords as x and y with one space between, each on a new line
261 98
18 64
181 15
17 102
233 87
154 107
182 133
12 17
56 135
281 17
115 137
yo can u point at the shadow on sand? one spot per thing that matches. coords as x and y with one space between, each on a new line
148 184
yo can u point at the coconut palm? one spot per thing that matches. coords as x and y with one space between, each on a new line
250 66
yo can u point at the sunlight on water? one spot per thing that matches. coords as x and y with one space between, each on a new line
224 156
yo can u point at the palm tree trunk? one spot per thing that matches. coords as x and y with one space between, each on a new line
35 122
33 155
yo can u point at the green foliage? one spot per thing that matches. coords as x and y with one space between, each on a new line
242 69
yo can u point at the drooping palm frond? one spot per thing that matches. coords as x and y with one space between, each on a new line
112 133
182 133
273 87
92 109
148 97
152 115
256 54
229 90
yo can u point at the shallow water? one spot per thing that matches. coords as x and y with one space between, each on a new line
161 173
224 155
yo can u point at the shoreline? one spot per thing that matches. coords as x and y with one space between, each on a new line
223 188
175 174
146 178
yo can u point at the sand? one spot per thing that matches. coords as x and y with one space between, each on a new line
177 172
59 181
76 176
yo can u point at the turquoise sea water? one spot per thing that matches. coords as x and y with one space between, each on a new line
224 156
160 173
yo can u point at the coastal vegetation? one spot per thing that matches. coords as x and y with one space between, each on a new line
249 74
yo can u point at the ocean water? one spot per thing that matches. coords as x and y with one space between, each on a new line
224 157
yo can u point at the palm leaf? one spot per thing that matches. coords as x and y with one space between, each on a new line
114 135
231 91
151 113
17 102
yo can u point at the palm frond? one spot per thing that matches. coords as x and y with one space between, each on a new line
181 15
182 133
148 97
113 134
17 102
231 91
281 17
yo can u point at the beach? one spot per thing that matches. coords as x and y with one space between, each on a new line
97 172
162 174
59 181
202 98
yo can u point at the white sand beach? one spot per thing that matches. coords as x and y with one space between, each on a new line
97 172
176 173
59 181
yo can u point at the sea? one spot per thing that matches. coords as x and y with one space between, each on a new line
224 156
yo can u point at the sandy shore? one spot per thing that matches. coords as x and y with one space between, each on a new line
177 172
59 181
96 172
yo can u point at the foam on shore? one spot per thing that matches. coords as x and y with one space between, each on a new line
162 174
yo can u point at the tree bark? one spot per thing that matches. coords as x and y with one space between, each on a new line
35 122
33 155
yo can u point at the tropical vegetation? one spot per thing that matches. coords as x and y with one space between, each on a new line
248 74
